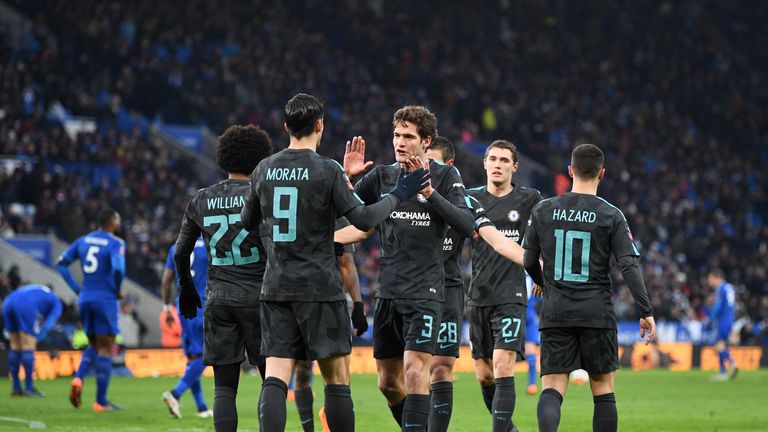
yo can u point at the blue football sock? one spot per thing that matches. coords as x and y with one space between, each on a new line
86 362
531 359
28 360
192 373
103 373
197 393
731 363
722 356
14 363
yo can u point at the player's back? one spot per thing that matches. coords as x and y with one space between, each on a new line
297 197
235 256
577 234
726 296
38 297
198 260
95 251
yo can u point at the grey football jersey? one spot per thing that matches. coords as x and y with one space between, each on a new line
300 195
576 235
495 279
236 257
412 236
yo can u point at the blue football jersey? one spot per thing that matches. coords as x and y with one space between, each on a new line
725 303
101 255
198 266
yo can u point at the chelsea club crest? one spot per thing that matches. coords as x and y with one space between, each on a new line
514 216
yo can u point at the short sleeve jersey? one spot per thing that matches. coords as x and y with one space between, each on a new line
236 257
412 237
576 235
198 261
95 251
300 195
495 279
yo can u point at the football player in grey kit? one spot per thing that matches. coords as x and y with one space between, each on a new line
235 268
412 287
575 234
295 197
497 292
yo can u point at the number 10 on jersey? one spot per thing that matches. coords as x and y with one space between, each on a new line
564 255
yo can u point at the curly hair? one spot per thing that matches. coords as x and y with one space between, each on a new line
424 120
241 148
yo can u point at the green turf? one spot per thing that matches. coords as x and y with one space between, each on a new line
648 401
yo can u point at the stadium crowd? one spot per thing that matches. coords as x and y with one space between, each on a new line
678 106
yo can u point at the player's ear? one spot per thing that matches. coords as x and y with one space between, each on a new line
319 125
426 142
601 175
515 165
451 162
285 126
570 171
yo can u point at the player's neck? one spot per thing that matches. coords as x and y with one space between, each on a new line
307 143
586 187
237 176
500 189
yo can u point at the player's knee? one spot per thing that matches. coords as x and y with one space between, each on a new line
389 385
303 374
441 372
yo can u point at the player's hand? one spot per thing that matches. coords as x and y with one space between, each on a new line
189 300
648 329
537 290
338 248
422 162
359 321
120 295
409 185
354 157
481 219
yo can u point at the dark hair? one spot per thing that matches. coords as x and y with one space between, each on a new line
301 114
717 272
503 144
241 148
445 146
106 216
425 121
587 160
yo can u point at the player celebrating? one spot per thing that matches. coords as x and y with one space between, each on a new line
297 195
412 286
191 331
236 262
722 312
497 291
20 313
576 234
102 256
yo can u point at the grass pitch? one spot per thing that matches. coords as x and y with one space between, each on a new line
648 400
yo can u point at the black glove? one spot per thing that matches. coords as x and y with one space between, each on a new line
338 248
189 299
481 219
409 185
359 321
